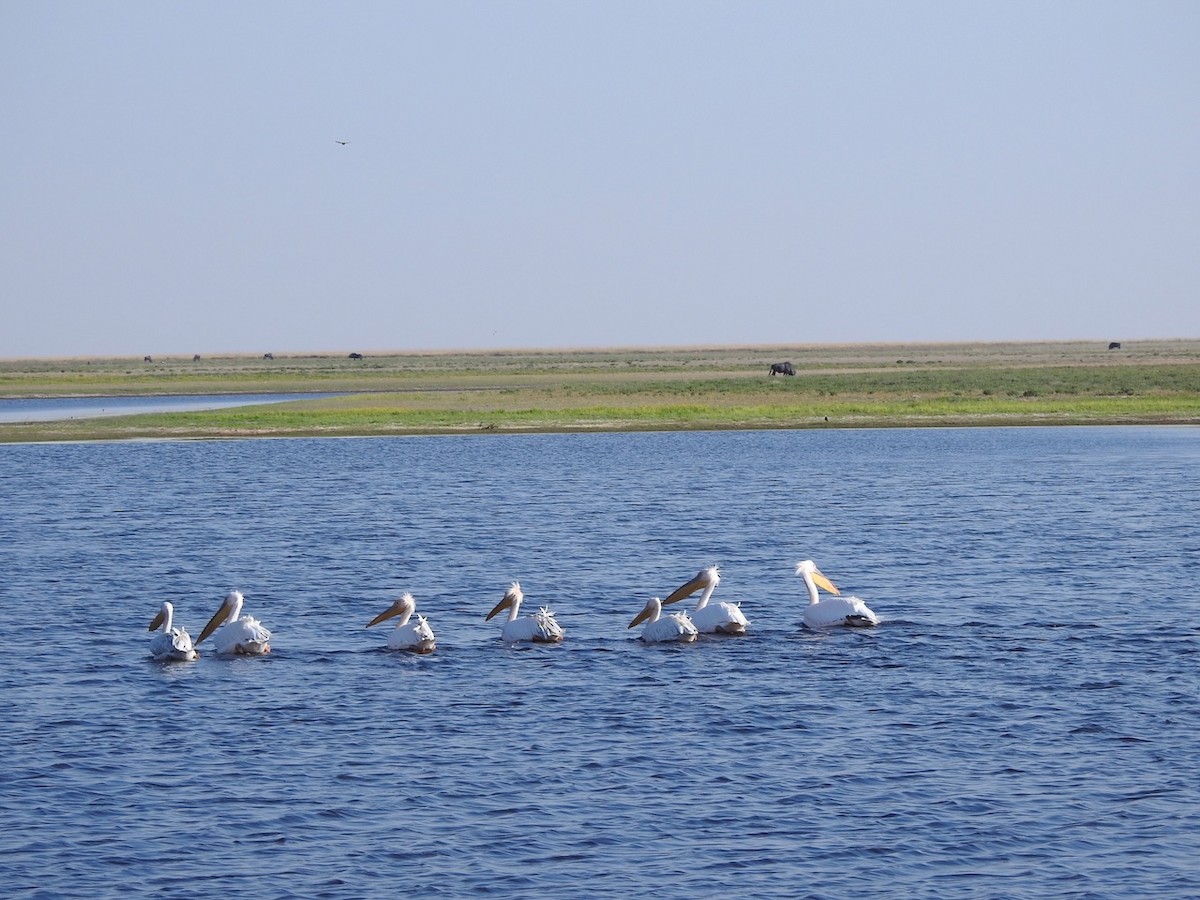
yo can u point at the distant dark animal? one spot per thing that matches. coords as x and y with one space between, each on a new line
1115 345
268 356
356 356
782 369
196 358
147 359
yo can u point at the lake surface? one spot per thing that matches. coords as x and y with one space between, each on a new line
1024 723
57 409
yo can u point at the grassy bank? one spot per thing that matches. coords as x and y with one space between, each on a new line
634 389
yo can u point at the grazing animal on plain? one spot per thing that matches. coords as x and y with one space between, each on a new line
356 356
196 358
147 359
784 368
268 356
1115 345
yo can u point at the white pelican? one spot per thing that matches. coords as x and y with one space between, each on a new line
171 643
718 618
417 636
245 636
671 627
541 628
832 610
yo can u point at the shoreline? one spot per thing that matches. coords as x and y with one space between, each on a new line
630 389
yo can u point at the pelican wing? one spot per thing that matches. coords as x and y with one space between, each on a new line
254 630
422 629
834 611
674 627
720 618
175 644
181 641
415 636
540 628
547 630
246 636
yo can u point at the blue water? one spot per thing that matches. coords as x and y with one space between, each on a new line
54 409
1024 723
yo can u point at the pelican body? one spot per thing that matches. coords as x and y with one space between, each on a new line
676 627
831 611
171 644
416 637
244 636
714 618
540 628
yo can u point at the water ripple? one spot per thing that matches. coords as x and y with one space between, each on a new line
972 745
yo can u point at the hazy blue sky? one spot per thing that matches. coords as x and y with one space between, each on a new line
573 174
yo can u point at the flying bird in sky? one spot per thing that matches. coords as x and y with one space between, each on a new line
343 143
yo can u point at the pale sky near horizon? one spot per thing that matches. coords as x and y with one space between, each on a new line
593 174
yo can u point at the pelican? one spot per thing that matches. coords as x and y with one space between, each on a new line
171 643
720 617
832 610
671 627
245 636
541 628
417 637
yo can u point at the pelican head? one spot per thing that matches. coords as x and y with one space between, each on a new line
807 569
651 611
512 599
707 578
405 606
164 619
230 607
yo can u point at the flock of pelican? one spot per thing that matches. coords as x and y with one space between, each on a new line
243 635
233 633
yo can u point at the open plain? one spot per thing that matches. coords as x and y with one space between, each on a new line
665 388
